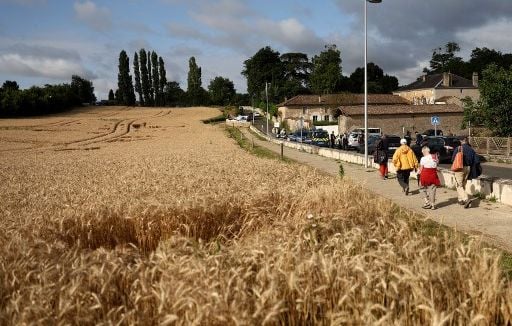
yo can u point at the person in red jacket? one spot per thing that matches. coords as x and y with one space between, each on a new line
429 179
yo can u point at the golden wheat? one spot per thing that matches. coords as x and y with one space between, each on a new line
171 223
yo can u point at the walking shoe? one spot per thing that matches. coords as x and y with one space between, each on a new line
426 206
433 207
467 204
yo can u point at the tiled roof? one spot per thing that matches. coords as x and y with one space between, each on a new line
401 109
436 81
343 99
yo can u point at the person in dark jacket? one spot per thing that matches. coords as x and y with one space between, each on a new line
470 171
381 156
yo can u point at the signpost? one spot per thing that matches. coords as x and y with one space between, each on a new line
435 121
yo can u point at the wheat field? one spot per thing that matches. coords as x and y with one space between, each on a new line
135 216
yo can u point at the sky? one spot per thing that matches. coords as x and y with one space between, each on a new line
47 41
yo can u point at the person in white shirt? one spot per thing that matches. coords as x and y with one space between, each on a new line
429 179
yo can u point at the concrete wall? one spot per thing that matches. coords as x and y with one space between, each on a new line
393 124
501 189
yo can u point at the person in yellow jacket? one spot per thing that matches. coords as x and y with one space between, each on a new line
404 161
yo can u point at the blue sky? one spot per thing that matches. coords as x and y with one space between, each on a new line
46 41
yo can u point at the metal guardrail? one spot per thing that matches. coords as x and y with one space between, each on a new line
492 145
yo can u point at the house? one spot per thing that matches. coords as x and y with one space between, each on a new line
310 110
440 88
399 119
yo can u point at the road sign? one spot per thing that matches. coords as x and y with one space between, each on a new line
435 120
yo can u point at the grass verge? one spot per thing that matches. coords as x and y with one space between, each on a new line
247 145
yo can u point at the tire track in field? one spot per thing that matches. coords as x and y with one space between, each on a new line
127 128
110 132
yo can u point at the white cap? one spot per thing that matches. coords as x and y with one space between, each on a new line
403 141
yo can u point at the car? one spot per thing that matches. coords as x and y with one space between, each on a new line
320 138
432 132
450 143
436 145
241 118
355 135
372 144
393 144
298 136
353 139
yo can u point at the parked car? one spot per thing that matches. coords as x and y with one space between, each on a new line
320 138
393 144
436 145
353 139
432 132
372 143
296 136
355 135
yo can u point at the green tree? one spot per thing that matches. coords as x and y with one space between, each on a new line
111 96
264 67
326 72
83 88
156 78
297 69
194 89
173 94
145 81
150 78
10 84
378 82
222 91
494 109
136 72
162 79
124 81
444 59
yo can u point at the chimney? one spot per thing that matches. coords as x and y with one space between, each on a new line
319 99
447 79
424 78
475 79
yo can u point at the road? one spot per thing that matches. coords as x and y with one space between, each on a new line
490 169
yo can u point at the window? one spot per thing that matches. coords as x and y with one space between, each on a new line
326 117
315 118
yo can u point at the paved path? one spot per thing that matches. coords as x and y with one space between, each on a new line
493 221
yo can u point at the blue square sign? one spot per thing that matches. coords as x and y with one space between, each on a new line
435 120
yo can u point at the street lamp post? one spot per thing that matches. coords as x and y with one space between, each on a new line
366 82
266 95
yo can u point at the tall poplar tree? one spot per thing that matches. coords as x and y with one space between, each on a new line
150 78
136 72
194 81
163 78
156 78
124 80
143 61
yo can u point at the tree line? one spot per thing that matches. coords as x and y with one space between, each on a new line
44 100
290 74
446 59
153 89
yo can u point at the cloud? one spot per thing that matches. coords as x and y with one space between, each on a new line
494 35
32 66
402 33
291 34
98 18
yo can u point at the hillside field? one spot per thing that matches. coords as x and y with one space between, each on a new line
147 216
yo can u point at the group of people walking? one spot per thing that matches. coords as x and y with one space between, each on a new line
405 161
